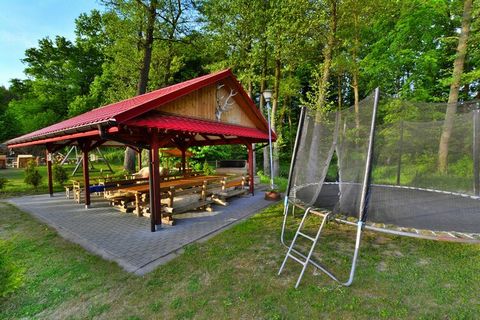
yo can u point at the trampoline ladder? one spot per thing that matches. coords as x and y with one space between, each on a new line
297 256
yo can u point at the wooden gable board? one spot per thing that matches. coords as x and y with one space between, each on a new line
202 104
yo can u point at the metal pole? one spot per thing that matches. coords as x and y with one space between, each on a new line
295 149
368 169
270 145
68 154
400 153
104 160
301 121
476 156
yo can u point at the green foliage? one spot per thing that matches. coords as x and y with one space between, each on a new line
207 170
3 182
114 155
59 174
32 176
407 49
227 152
462 168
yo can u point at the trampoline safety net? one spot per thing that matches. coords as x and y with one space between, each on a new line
405 187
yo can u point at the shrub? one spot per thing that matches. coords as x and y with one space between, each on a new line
59 174
32 176
207 170
3 182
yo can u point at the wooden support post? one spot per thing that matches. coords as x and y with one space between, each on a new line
138 211
139 159
171 196
151 191
157 206
86 174
250 169
48 159
204 190
224 184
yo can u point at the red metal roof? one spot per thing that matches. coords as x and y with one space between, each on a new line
122 111
185 124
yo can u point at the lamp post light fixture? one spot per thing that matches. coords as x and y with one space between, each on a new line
267 95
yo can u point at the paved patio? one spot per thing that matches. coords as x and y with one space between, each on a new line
126 238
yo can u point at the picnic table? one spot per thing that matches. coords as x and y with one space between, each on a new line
172 188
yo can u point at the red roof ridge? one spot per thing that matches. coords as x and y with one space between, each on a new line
151 93
111 111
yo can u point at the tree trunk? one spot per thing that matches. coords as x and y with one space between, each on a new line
263 85
130 154
356 99
315 164
356 96
276 94
339 92
454 87
327 60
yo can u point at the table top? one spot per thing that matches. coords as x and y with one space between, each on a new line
165 185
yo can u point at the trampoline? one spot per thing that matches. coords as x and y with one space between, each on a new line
388 178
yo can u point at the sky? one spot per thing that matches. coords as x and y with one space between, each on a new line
24 22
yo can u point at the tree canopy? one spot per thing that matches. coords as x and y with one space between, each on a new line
325 54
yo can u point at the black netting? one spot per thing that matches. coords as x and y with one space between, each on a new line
345 132
408 186
313 159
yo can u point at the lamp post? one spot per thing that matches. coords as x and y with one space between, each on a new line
267 95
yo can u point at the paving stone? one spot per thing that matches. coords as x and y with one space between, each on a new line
126 238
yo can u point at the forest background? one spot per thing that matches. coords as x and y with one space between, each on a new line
324 54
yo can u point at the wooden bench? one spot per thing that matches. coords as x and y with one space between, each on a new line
231 188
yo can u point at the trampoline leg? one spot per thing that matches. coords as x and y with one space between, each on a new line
355 254
284 224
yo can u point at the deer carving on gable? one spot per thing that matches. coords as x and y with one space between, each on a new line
224 102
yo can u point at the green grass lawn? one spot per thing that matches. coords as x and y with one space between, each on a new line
234 275
16 186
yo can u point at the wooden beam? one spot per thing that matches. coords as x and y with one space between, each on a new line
84 145
250 168
139 159
48 159
91 133
157 212
150 189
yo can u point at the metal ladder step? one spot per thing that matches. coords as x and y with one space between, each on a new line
306 236
312 247
296 259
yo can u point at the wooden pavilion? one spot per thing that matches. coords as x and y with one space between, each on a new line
209 110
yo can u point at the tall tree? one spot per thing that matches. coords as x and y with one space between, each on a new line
150 10
458 66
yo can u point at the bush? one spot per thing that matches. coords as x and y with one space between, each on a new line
3 182
59 174
207 170
32 176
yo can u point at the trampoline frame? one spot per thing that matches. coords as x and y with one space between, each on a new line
399 232
363 201
361 224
